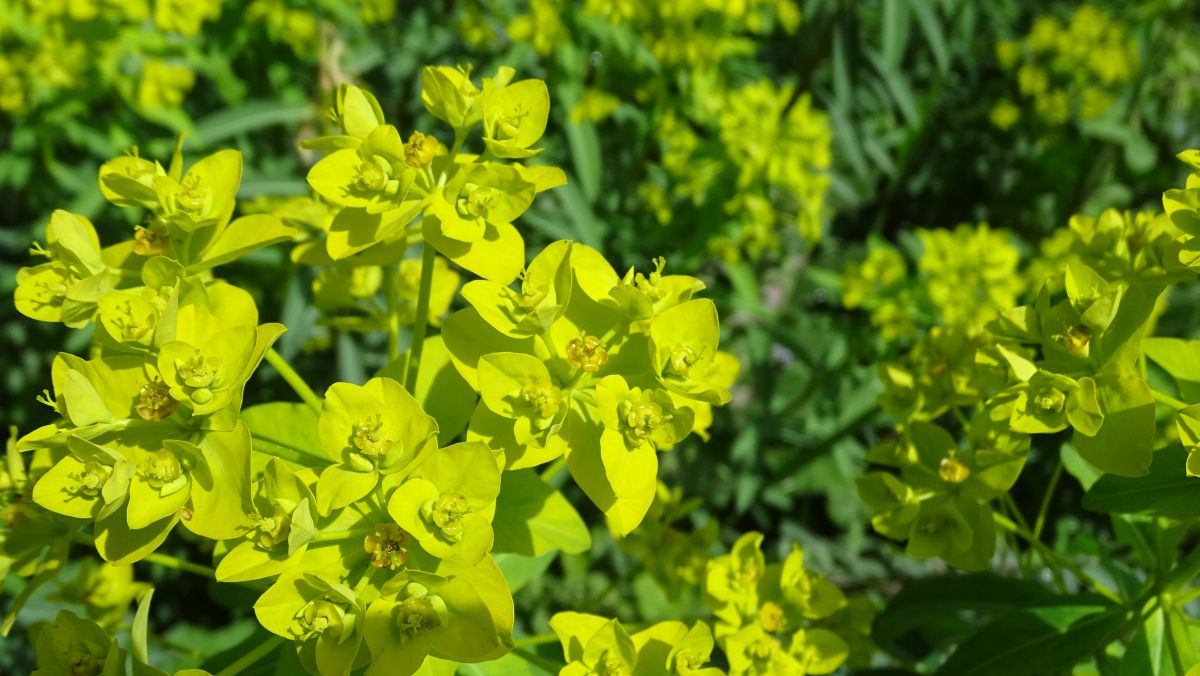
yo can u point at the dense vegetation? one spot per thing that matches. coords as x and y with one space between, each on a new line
523 337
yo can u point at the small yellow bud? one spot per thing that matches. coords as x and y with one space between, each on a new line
952 470
150 241
155 401
587 354
420 150
388 546
771 617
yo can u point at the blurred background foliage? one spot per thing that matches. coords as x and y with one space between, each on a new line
813 160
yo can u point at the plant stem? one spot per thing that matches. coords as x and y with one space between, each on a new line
1172 647
168 561
537 660
157 558
537 639
1184 573
336 535
391 274
554 468
1015 511
1052 556
260 651
293 455
412 365
294 380
1168 401
1040 522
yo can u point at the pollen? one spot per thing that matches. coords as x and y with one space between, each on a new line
447 513
368 438
587 354
420 150
771 617
150 241
155 401
953 471
371 177
388 546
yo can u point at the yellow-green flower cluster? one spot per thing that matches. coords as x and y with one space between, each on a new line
698 35
751 158
1067 70
781 149
598 645
580 362
966 401
1182 206
964 277
149 435
970 273
877 284
58 47
773 618
674 557
770 619
778 148
374 531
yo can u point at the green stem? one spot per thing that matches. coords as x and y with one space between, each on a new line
1015 511
294 380
260 651
391 295
1053 557
157 558
412 365
1025 558
554 468
1168 401
1184 573
1040 522
537 660
168 561
1172 646
338 535
535 640
1187 596
364 580
277 450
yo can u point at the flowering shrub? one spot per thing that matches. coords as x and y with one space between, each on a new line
745 162
671 339
1071 70
376 536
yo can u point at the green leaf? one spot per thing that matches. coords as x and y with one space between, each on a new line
1140 153
584 142
442 392
1147 652
1166 491
509 665
1049 637
247 117
1081 469
287 425
1179 358
137 633
242 236
586 227
895 32
519 569
927 19
1123 445
221 485
533 518
957 600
